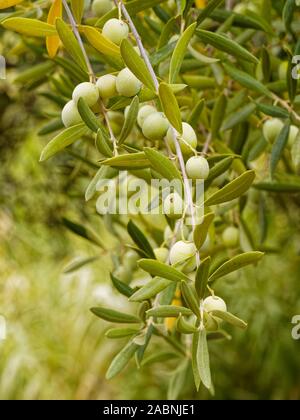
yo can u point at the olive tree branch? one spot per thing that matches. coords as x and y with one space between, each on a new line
174 132
90 71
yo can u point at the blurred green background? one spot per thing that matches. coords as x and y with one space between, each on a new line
55 348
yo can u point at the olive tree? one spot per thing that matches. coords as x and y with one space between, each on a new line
200 93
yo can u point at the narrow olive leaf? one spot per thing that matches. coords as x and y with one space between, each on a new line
230 319
233 190
179 52
288 14
168 311
29 27
242 21
162 164
223 43
115 333
136 64
100 42
201 279
151 289
218 113
87 115
266 65
35 73
121 287
104 173
295 152
76 265
121 360
237 262
103 142
201 231
63 140
273 111
83 231
246 80
208 10
185 327
140 239
203 360
278 147
128 161
160 357
133 7
5 4
190 297
111 315
177 381
70 43
196 113
292 82
156 268
195 367
130 120
238 116
278 187
170 106
219 169
199 82
78 9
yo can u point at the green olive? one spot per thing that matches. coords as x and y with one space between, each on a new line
197 167
231 237
115 30
107 86
88 91
101 7
187 141
272 128
161 254
155 126
182 254
127 84
173 206
70 115
144 112
214 303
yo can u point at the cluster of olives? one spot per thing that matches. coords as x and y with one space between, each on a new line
272 128
107 86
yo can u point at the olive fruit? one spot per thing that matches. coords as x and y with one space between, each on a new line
214 303
197 167
294 131
70 115
115 30
155 126
271 129
144 112
101 7
183 254
88 91
107 86
161 254
127 84
173 206
130 259
231 237
187 141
